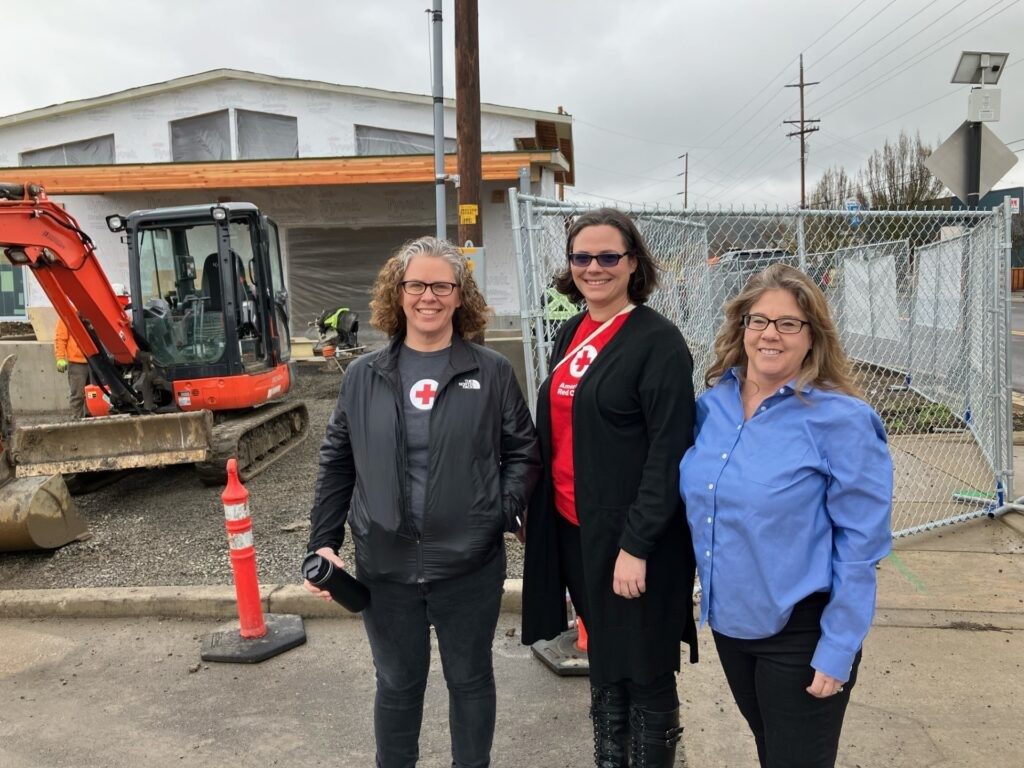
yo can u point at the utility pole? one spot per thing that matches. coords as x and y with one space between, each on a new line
437 87
805 128
467 121
685 157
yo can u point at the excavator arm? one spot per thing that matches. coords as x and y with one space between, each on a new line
41 235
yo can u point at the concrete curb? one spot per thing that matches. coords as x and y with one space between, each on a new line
203 602
218 602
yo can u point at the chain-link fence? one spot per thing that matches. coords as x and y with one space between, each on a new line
921 300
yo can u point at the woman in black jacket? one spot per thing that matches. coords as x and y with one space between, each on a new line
431 456
614 418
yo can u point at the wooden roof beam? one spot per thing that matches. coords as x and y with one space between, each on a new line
397 169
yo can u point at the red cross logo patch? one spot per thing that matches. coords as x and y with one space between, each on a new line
423 393
582 360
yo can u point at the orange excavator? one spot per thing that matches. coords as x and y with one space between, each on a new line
195 368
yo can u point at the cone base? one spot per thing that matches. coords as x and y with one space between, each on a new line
562 656
284 632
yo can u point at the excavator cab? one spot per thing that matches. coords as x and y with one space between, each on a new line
208 285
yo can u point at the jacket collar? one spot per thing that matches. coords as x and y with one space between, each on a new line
461 360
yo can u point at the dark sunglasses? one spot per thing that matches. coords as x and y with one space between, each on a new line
603 259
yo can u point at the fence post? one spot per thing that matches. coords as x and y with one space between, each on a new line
525 310
801 246
1006 380
537 302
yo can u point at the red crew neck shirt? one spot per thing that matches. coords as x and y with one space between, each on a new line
563 387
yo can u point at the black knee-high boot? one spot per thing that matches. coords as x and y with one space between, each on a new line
654 736
609 709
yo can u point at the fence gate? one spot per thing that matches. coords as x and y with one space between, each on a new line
921 300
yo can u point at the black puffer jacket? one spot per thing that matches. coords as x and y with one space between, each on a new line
483 465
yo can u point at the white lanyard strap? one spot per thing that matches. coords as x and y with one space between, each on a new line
572 352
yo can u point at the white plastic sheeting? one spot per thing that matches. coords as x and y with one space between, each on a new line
870 307
202 138
385 141
939 286
95 151
263 136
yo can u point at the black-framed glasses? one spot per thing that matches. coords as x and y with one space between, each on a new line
787 325
418 288
605 260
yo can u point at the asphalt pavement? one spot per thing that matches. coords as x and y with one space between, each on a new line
122 686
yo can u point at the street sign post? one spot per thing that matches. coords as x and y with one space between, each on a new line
950 162
853 208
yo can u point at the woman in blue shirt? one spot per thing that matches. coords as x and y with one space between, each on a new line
788 492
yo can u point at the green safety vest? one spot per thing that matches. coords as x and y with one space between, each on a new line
558 306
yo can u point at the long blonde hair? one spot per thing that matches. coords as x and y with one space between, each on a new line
826 365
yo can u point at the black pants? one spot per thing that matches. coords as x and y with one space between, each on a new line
464 613
660 694
768 678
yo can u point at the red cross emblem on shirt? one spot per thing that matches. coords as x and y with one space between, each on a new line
423 393
582 360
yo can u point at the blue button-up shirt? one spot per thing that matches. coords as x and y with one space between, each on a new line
794 500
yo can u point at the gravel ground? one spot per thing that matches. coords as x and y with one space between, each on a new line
162 527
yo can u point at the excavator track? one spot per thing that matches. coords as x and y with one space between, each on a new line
256 438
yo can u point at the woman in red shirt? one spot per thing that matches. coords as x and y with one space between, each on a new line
614 418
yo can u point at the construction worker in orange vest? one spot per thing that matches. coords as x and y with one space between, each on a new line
70 359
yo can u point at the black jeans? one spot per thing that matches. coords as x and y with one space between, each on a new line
768 678
464 613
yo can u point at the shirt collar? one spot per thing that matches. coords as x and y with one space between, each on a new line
735 374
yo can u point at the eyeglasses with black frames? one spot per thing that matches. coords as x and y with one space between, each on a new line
418 288
787 325
605 260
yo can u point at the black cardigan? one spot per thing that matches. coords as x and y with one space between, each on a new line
633 415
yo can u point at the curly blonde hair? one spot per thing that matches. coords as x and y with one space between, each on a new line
826 365
386 313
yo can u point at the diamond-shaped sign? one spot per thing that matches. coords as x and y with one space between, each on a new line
949 163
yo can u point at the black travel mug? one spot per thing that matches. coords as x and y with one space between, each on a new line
344 588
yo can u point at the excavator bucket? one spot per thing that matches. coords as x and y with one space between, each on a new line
111 443
35 512
38 513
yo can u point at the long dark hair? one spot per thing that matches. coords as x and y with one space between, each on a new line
643 280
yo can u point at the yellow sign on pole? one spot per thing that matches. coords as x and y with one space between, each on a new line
470 253
468 213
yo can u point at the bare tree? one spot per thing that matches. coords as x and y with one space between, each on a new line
894 177
833 189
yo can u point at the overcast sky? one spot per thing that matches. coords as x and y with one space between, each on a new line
645 81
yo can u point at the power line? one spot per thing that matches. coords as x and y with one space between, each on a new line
890 32
626 135
766 86
925 104
912 60
841 20
727 121
871 18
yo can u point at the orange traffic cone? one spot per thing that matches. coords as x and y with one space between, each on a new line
581 635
